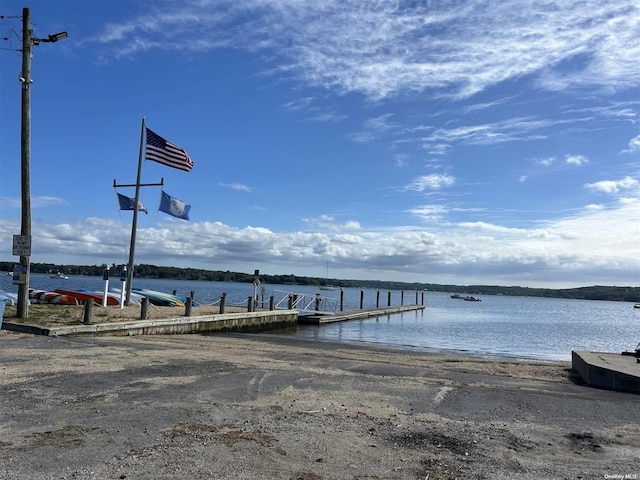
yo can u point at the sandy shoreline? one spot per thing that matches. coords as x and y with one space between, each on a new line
272 406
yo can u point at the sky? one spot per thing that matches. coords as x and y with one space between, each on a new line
449 142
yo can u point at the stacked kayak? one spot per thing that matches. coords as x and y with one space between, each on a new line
86 295
8 298
135 298
162 299
43 296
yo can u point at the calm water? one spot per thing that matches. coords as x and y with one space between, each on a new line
498 326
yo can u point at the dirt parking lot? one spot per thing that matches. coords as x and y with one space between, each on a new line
269 406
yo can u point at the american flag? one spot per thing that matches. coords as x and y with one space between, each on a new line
166 153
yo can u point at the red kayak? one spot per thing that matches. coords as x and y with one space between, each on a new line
43 296
96 297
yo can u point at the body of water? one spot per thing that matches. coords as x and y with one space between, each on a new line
498 326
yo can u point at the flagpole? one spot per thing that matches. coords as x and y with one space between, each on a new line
167 154
134 225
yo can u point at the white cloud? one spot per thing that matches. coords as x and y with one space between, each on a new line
634 145
430 182
381 49
327 222
596 245
38 201
237 186
575 160
545 162
613 186
400 160
593 206
428 212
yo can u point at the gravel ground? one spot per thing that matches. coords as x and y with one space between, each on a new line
269 406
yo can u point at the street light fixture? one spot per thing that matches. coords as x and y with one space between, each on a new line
51 38
25 154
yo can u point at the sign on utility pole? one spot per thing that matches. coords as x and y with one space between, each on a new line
22 245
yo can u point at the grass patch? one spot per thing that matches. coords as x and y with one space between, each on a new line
46 314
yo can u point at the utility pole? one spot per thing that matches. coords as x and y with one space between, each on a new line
25 159
25 153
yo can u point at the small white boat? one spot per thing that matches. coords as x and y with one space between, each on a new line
324 283
59 275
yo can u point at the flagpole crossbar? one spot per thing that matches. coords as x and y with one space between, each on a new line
116 185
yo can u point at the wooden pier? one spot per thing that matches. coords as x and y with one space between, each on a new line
321 318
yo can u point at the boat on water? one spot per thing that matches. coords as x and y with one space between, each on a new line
637 305
324 283
59 275
471 299
327 287
467 298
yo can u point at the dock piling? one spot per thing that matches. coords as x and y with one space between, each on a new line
88 308
223 302
144 308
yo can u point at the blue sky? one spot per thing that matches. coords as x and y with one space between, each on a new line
464 142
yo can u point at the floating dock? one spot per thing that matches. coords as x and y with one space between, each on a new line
325 317
613 371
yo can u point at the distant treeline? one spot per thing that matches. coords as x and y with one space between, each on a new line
623 294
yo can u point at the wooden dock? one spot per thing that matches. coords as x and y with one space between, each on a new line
259 321
321 318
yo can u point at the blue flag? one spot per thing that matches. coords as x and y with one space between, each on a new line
173 206
127 203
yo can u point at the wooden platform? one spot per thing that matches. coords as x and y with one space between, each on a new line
259 321
325 317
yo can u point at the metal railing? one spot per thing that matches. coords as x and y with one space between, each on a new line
305 302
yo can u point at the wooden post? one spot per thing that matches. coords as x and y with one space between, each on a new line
389 299
361 299
416 297
250 303
402 297
341 300
187 307
318 300
272 303
223 302
422 298
88 308
144 308
378 299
